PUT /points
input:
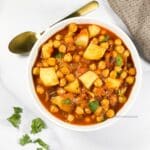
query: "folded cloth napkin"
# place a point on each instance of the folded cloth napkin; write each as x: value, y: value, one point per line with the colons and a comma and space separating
x: 136, y: 15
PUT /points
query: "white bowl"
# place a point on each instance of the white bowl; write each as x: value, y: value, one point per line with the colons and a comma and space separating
x: 82, y: 20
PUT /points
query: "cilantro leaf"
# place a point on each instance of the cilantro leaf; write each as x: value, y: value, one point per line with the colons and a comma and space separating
x: 66, y: 101
x: 37, y: 125
x: 119, y: 60
x: 25, y: 139
x: 93, y: 105
x: 59, y: 55
x: 106, y: 38
x: 42, y: 143
x: 15, y: 120
x: 17, y: 110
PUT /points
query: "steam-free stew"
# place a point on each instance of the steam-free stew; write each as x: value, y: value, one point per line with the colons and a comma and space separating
x: 83, y: 74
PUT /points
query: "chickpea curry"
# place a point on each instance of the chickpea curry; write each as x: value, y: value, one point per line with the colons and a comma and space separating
x: 83, y: 74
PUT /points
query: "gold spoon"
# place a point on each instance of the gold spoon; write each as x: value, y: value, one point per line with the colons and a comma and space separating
x: 24, y: 42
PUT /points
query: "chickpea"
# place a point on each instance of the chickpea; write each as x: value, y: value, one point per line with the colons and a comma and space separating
x: 69, y: 39
x: 51, y: 61
x: 60, y: 91
x: 73, y: 27
x: 130, y: 80
x: 110, y: 113
x: 81, y: 53
x: 132, y: 71
x: 105, y: 45
x: 87, y: 111
x: 114, y: 54
x: 98, y: 111
x: 56, y: 67
x: 87, y: 119
x: 45, y: 63
x: 92, y: 67
x: 36, y: 71
x: 65, y: 70
x: 118, y: 42
x: 99, y: 118
x: 50, y: 42
x: 54, y: 109
x: 105, y: 73
x: 79, y: 110
x: 68, y: 57
x: 103, y: 32
x: 113, y: 74
x: 105, y: 104
x: 113, y: 100
x: 118, y: 69
x: 70, y: 117
x: 126, y: 53
x: 101, y: 38
x: 76, y: 58
x: 59, y: 74
x: 70, y: 77
x: 120, y: 49
x: 40, y: 89
x: 62, y: 82
x: 123, y: 75
x: 98, y: 83
x: 58, y: 37
x: 122, y: 99
x: 101, y: 65
x: 94, y: 41
x: 56, y: 43
x: 62, y: 48
x: 71, y: 48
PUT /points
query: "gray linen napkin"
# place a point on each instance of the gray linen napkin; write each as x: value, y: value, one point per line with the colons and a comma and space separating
x: 136, y: 15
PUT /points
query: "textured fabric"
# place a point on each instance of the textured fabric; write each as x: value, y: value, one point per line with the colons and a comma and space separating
x: 136, y: 15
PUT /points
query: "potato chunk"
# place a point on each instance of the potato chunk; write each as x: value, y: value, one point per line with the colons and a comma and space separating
x: 82, y: 38
x: 94, y: 52
x: 113, y: 83
x: 73, y: 87
x: 48, y: 76
x: 47, y: 50
x: 93, y: 30
x: 60, y: 102
x: 88, y: 78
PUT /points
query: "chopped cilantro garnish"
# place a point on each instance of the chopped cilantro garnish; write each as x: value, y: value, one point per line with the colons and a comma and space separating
x: 25, y: 139
x: 93, y: 105
x: 37, y: 125
x: 42, y: 143
x: 67, y: 101
x: 17, y: 110
x: 119, y: 60
x: 59, y: 55
x: 106, y: 38
x: 15, y: 119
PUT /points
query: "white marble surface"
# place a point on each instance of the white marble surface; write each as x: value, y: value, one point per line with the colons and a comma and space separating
x: 21, y: 15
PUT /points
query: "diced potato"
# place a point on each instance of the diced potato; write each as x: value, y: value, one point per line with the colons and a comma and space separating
x: 48, y: 76
x: 59, y: 101
x: 73, y: 87
x: 93, y: 30
x: 47, y: 50
x: 113, y: 83
x: 82, y: 38
x: 88, y: 78
x: 94, y: 52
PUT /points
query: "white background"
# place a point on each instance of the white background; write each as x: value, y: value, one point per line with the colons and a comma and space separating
x: 21, y: 15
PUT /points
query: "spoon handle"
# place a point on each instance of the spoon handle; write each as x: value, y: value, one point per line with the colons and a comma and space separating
x: 82, y: 11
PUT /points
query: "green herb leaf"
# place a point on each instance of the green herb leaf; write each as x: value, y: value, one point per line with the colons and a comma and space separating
x: 25, y: 139
x: 37, y: 125
x: 17, y: 110
x: 93, y: 105
x: 59, y: 55
x: 42, y: 143
x: 15, y: 120
x: 106, y: 38
x: 119, y: 60
x: 66, y: 101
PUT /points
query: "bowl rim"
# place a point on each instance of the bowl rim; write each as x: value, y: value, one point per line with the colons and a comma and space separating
x: 111, y: 27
